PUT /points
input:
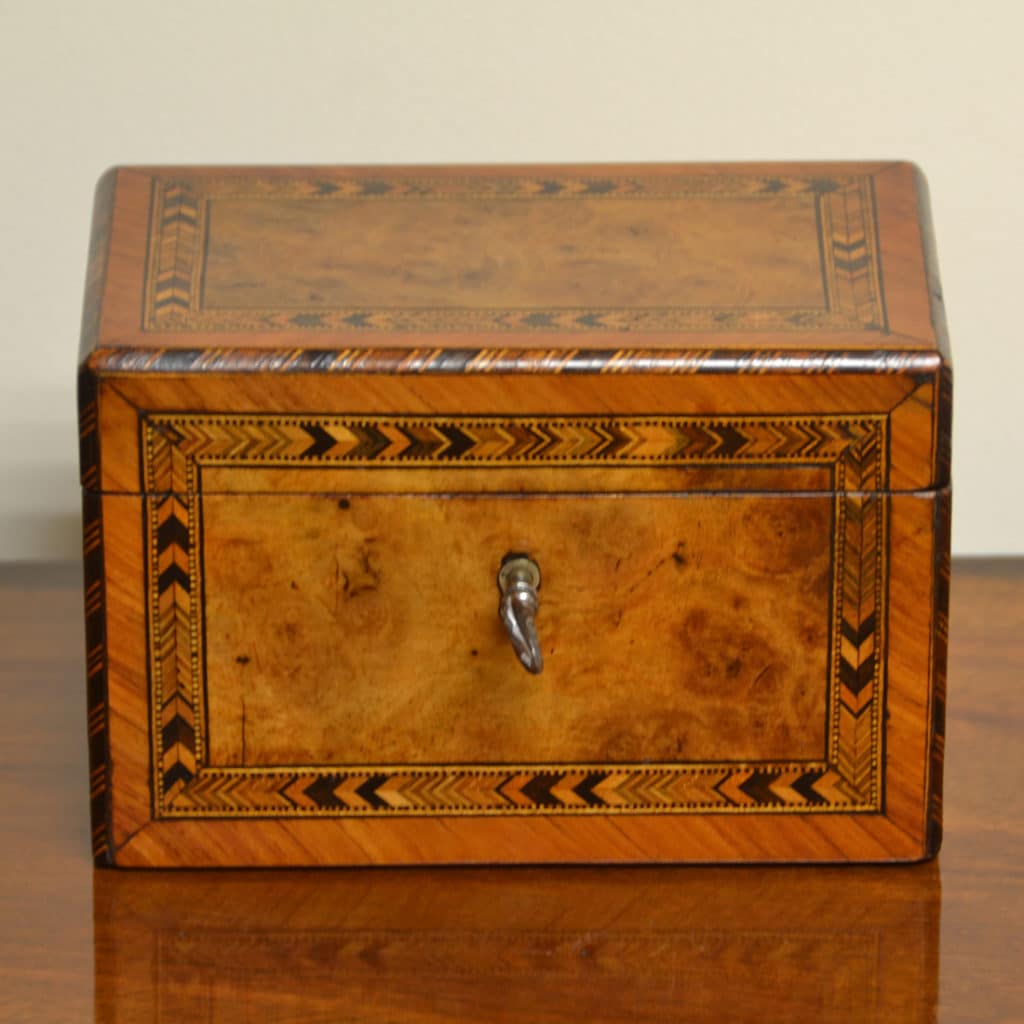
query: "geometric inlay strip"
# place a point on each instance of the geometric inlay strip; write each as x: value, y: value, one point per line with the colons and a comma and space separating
x: 854, y: 444
x: 844, y: 214
x: 515, y: 789
x: 849, y: 779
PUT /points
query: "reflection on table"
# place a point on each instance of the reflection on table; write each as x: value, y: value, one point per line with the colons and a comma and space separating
x: 519, y: 945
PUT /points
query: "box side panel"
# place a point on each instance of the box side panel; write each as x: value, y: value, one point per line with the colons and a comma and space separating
x: 937, y: 744
x: 129, y: 713
x: 929, y: 246
x: 940, y: 331
x: 96, y: 268
x: 96, y: 676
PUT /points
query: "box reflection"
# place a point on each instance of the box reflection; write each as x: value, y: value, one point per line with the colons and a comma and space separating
x: 592, y: 944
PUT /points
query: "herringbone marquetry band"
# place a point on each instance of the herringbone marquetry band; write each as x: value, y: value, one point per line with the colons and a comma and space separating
x: 844, y: 211
x: 175, y: 443
x: 849, y: 779
x: 514, y: 789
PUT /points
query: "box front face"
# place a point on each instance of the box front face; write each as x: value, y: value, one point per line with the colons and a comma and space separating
x: 328, y: 659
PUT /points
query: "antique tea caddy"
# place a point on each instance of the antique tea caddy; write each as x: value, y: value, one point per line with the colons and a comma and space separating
x: 515, y: 514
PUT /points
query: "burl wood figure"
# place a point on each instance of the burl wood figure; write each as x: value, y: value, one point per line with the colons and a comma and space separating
x: 515, y: 514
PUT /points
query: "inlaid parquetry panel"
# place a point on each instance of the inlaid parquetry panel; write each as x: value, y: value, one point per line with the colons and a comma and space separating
x: 846, y: 778
x: 755, y: 252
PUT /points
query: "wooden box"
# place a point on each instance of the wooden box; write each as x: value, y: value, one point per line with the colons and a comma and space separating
x: 321, y: 408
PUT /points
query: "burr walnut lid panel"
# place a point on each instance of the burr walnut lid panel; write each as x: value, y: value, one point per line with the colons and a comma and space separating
x: 354, y: 440
x: 806, y: 256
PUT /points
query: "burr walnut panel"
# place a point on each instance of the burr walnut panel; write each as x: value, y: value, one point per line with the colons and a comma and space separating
x: 506, y: 254
x: 381, y: 644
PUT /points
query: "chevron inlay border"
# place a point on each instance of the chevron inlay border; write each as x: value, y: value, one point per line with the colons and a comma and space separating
x: 853, y: 445
x: 844, y: 208
x: 848, y: 779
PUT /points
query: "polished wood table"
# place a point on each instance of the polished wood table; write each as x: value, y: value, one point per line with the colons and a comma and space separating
x: 943, y: 940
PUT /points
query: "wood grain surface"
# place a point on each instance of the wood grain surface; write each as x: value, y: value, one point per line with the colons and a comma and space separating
x: 384, y: 646
x: 939, y: 941
x: 493, y: 253
x: 597, y: 257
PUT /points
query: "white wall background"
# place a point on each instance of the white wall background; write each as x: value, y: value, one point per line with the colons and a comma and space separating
x: 85, y: 85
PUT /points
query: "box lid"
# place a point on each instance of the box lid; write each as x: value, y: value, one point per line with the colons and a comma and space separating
x: 759, y: 270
